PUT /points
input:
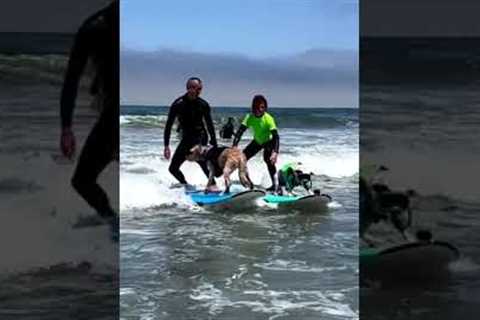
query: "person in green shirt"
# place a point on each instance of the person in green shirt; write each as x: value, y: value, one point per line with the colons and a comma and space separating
x: 265, y: 136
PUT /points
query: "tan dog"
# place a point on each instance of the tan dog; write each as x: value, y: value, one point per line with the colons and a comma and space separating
x: 222, y: 161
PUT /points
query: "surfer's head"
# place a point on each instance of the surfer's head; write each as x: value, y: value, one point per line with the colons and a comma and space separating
x: 259, y: 105
x: 194, y: 87
x: 110, y: 12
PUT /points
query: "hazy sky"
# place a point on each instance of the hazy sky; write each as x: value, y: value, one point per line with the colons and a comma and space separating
x: 257, y: 28
x: 297, y: 52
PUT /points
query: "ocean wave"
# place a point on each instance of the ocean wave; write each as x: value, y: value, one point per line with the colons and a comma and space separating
x: 147, y: 183
x: 33, y: 67
x: 306, y: 121
x: 15, y: 185
x: 143, y: 121
x: 275, y: 303
x: 318, y: 121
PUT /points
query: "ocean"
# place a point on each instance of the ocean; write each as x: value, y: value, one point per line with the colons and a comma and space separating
x: 426, y: 134
x: 48, y: 269
x: 182, y: 261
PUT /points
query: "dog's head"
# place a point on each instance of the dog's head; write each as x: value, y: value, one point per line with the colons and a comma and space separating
x: 378, y: 202
x: 195, y: 153
x: 396, y: 208
x: 304, y: 179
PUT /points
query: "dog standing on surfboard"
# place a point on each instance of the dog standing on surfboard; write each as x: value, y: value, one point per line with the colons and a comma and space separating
x: 222, y: 161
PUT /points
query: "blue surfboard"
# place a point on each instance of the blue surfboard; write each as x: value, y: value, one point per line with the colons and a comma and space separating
x: 219, y: 198
x: 247, y: 198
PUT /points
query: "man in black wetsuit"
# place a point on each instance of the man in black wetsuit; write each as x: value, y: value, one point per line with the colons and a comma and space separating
x: 97, y: 40
x: 193, y: 113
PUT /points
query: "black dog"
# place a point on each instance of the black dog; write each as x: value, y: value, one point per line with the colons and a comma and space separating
x: 378, y: 202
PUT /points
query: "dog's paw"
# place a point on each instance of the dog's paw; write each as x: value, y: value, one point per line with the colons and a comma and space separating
x: 213, y: 188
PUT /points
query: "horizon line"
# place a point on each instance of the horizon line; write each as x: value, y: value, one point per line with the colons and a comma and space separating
x: 231, y: 106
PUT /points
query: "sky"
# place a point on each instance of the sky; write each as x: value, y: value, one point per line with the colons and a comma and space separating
x: 298, y: 52
x: 257, y: 28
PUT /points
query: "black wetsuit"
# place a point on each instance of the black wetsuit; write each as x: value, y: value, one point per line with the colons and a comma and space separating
x: 227, y: 131
x: 212, y: 155
x: 254, y: 147
x: 192, y: 116
x: 97, y: 40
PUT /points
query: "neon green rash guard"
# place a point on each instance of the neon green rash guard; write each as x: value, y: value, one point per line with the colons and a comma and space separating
x: 261, y: 127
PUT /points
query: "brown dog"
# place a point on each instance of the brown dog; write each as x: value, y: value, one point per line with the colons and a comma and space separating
x: 222, y: 161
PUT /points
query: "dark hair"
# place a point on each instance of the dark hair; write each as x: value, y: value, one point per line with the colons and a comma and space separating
x: 257, y: 99
x: 193, y: 79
